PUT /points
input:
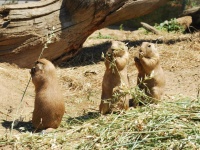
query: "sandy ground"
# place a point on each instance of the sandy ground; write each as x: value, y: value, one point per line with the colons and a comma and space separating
x: 81, y: 77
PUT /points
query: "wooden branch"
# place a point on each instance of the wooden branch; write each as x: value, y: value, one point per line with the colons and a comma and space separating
x: 191, y: 11
x: 150, y: 28
x: 24, y: 27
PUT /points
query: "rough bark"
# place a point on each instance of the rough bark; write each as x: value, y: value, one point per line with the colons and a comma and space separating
x: 24, y: 27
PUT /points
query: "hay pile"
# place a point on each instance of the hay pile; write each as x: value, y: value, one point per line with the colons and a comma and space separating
x: 168, y: 125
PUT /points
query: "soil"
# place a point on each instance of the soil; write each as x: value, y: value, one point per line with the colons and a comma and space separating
x: 81, y: 76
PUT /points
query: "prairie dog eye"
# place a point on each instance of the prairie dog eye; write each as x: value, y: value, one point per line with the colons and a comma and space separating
x: 37, y: 62
x: 149, y: 45
x: 112, y: 50
x: 108, y: 54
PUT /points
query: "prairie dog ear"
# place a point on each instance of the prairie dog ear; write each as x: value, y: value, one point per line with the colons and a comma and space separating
x: 153, y: 46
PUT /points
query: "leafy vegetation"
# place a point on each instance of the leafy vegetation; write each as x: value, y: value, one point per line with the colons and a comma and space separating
x: 170, y: 26
x: 121, y: 28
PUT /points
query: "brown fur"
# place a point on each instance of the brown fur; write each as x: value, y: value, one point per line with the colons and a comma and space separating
x: 49, y: 104
x: 115, y: 77
x: 148, y: 65
x: 185, y: 21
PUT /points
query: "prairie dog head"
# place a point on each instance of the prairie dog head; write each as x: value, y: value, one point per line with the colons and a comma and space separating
x: 117, y: 49
x: 148, y: 50
x: 42, y: 71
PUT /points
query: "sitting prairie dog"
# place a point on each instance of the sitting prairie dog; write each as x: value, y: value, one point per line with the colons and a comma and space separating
x: 115, y: 76
x: 151, y: 77
x: 49, y: 105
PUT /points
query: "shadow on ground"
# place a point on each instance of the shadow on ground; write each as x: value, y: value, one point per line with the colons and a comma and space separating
x: 87, y: 56
x: 92, y: 55
x: 81, y: 119
x: 20, y: 126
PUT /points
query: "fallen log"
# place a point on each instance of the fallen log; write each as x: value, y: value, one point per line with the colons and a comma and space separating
x: 150, y: 28
x: 24, y: 28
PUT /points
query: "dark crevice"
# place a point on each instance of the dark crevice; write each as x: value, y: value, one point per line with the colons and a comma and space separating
x: 34, y: 17
x: 110, y: 12
x: 28, y: 7
x: 114, y: 10
x: 68, y: 55
x: 5, y: 13
x: 5, y: 24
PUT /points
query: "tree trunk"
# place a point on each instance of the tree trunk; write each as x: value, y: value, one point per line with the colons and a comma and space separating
x: 24, y: 28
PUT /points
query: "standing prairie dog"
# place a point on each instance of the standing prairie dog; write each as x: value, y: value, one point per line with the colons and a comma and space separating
x: 115, y: 76
x: 151, y: 77
x: 49, y: 105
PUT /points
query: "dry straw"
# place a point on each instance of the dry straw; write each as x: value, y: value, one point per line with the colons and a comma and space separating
x: 168, y: 125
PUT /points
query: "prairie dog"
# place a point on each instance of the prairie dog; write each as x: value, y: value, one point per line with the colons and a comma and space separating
x: 148, y: 65
x: 115, y: 75
x: 49, y: 105
x: 185, y: 21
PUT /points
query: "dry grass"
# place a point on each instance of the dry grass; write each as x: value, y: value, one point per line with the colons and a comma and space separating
x: 168, y: 125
